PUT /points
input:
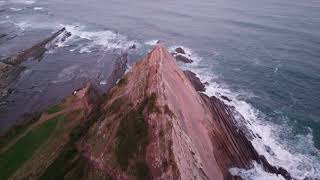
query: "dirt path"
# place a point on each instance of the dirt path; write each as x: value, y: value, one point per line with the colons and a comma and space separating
x: 79, y: 104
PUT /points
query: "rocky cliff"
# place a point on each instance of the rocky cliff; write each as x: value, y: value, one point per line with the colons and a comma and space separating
x: 156, y: 125
x: 153, y: 124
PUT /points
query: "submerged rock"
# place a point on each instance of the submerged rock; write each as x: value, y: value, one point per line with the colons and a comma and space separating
x: 35, y: 52
x: 2, y: 35
x: 10, y: 68
x: 8, y: 74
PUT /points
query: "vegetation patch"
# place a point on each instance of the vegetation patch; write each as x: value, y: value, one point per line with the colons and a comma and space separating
x: 151, y: 103
x: 168, y: 111
x: 116, y: 105
x: 81, y: 129
x: 132, y: 137
x: 54, y: 109
x: 69, y: 162
x: 15, y: 156
x: 142, y: 171
x: 18, y: 129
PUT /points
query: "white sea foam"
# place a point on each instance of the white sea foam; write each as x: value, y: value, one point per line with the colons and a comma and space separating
x: 152, y: 42
x: 88, y: 41
x: 23, y: 1
x: 104, y: 82
x: 23, y: 25
x: 277, y: 150
x: 15, y: 9
x: 29, y: 2
x: 256, y: 173
x: 37, y: 8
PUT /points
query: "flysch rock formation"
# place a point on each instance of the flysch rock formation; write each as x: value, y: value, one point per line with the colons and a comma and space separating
x: 189, y: 135
x: 153, y: 124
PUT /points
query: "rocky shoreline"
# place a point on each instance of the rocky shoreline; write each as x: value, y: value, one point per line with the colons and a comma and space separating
x: 152, y: 123
x: 10, y: 67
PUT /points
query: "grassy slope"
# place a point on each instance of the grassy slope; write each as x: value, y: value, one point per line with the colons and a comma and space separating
x: 15, y: 156
x: 17, y: 130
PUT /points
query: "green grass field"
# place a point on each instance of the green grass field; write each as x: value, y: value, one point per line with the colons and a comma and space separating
x: 25, y: 147
x: 18, y: 129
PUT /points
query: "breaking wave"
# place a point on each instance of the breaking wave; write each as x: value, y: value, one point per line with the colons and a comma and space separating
x: 85, y: 41
x: 298, y: 162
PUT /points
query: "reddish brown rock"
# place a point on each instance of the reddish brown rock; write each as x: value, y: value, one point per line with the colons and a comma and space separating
x: 152, y: 125
x: 156, y: 125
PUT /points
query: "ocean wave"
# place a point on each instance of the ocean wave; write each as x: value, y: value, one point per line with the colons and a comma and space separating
x: 254, y: 173
x: 37, y: 8
x: 152, y: 42
x: 270, y: 141
x: 23, y: 25
x: 22, y: 1
x: 85, y: 41
x: 15, y: 9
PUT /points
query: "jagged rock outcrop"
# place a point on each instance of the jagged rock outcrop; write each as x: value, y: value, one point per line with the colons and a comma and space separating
x: 156, y: 125
x: 36, y: 51
x: 180, y: 55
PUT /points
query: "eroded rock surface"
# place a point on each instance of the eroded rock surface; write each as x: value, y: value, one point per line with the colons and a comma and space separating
x: 195, y: 81
x: 188, y: 134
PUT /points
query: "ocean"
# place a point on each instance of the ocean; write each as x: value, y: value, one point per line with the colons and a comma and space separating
x: 264, y: 55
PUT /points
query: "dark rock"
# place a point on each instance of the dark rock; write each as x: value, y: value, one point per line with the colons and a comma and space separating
x: 35, y: 52
x: 119, y: 68
x: 195, y: 81
x: 269, y: 150
x: 66, y: 34
x: 182, y: 58
x: 226, y: 98
x: 284, y: 173
x: 11, y: 37
x: 2, y: 35
x: 206, y: 83
x: 8, y: 73
x: 180, y: 50
x: 235, y: 141
x: 133, y: 46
